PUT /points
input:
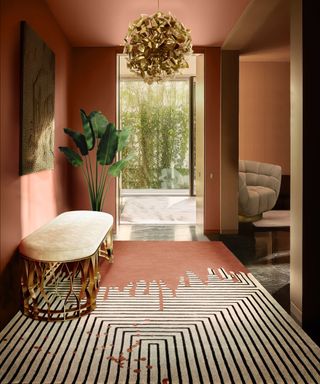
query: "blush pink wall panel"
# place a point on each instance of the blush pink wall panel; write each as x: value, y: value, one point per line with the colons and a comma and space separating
x: 212, y: 140
x: 264, y: 113
x: 29, y: 201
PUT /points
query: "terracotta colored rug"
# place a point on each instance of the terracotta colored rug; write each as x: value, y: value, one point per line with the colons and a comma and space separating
x: 168, y: 312
x: 165, y: 261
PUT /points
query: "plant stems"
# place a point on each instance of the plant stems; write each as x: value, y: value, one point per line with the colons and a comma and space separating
x: 91, y: 173
x: 102, y: 180
x: 89, y: 188
x: 97, y: 175
x: 101, y: 186
x: 105, y: 191
x: 90, y: 184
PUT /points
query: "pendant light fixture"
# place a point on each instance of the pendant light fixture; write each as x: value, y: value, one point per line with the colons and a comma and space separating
x: 156, y: 46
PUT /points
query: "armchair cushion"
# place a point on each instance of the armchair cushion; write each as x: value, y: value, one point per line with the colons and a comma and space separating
x: 259, y: 186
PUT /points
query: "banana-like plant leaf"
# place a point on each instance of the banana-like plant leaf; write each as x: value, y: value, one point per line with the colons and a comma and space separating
x: 108, y: 145
x: 97, y: 129
x: 123, y: 136
x: 117, y: 167
x: 88, y: 130
x: 99, y: 123
x: 73, y: 157
x: 79, y: 140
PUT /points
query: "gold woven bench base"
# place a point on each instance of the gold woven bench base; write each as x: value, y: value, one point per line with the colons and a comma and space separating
x: 59, y: 291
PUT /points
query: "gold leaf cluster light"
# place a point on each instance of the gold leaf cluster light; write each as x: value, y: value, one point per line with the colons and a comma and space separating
x: 156, y: 46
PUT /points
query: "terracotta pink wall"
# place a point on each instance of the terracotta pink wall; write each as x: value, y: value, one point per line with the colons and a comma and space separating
x: 31, y: 200
x: 212, y: 140
x: 264, y: 113
x: 93, y: 87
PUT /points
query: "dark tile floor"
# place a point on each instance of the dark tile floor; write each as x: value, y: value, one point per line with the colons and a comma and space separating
x: 177, y: 232
x: 264, y: 253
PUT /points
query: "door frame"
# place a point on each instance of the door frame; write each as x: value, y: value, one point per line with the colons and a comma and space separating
x: 191, y: 134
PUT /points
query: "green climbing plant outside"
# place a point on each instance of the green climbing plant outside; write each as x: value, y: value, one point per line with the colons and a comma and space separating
x: 158, y: 117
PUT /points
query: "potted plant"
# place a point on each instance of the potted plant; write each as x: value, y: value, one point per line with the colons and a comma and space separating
x: 97, y: 147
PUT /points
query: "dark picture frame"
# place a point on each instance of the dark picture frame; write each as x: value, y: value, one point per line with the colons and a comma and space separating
x: 37, y: 103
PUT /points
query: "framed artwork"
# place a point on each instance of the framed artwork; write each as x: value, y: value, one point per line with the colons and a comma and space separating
x: 37, y: 103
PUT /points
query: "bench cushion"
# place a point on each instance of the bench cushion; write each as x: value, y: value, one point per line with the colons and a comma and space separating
x: 71, y: 236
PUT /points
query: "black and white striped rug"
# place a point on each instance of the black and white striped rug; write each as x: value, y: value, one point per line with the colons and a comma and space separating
x: 227, y: 329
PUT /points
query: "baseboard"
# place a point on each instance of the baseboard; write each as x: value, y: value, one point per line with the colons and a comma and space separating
x: 211, y: 232
x: 221, y: 232
x: 229, y: 232
x: 296, y: 313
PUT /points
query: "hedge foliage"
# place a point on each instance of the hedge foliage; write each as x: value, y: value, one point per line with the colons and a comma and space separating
x: 158, y: 117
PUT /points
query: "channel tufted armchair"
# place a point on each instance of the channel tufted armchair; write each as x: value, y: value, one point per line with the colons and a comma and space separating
x: 259, y: 186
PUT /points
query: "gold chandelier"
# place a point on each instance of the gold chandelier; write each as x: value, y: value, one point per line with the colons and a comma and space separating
x: 156, y: 46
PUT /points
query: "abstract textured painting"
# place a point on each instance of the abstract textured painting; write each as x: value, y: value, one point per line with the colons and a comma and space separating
x: 37, y: 103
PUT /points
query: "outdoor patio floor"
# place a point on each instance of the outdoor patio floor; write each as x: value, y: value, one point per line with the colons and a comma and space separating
x: 157, y: 208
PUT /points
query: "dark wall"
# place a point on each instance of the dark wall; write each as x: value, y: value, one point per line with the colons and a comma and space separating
x: 311, y: 162
x: 283, y: 202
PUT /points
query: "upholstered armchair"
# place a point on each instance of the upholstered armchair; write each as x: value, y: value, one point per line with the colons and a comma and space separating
x: 259, y: 186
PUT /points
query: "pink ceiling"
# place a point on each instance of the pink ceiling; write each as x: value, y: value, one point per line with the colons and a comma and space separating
x: 105, y: 22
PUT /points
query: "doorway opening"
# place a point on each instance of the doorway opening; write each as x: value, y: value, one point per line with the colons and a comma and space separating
x: 159, y: 185
x: 265, y: 89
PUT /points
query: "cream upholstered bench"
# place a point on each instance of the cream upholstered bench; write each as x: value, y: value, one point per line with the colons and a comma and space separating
x: 60, y: 277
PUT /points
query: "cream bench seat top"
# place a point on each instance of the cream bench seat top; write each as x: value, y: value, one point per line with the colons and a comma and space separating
x: 71, y: 236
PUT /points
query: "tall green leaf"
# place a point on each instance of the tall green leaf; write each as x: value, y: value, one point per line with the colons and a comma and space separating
x: 79, y: 140
x: 99, y: 123
x: 117, y: 167
x: 88, y: 130
x: 108, y: 145
x: 73, y: 157
x: 123, y: 137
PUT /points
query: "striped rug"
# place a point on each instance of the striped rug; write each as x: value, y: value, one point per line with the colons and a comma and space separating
x: 224, y: 329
